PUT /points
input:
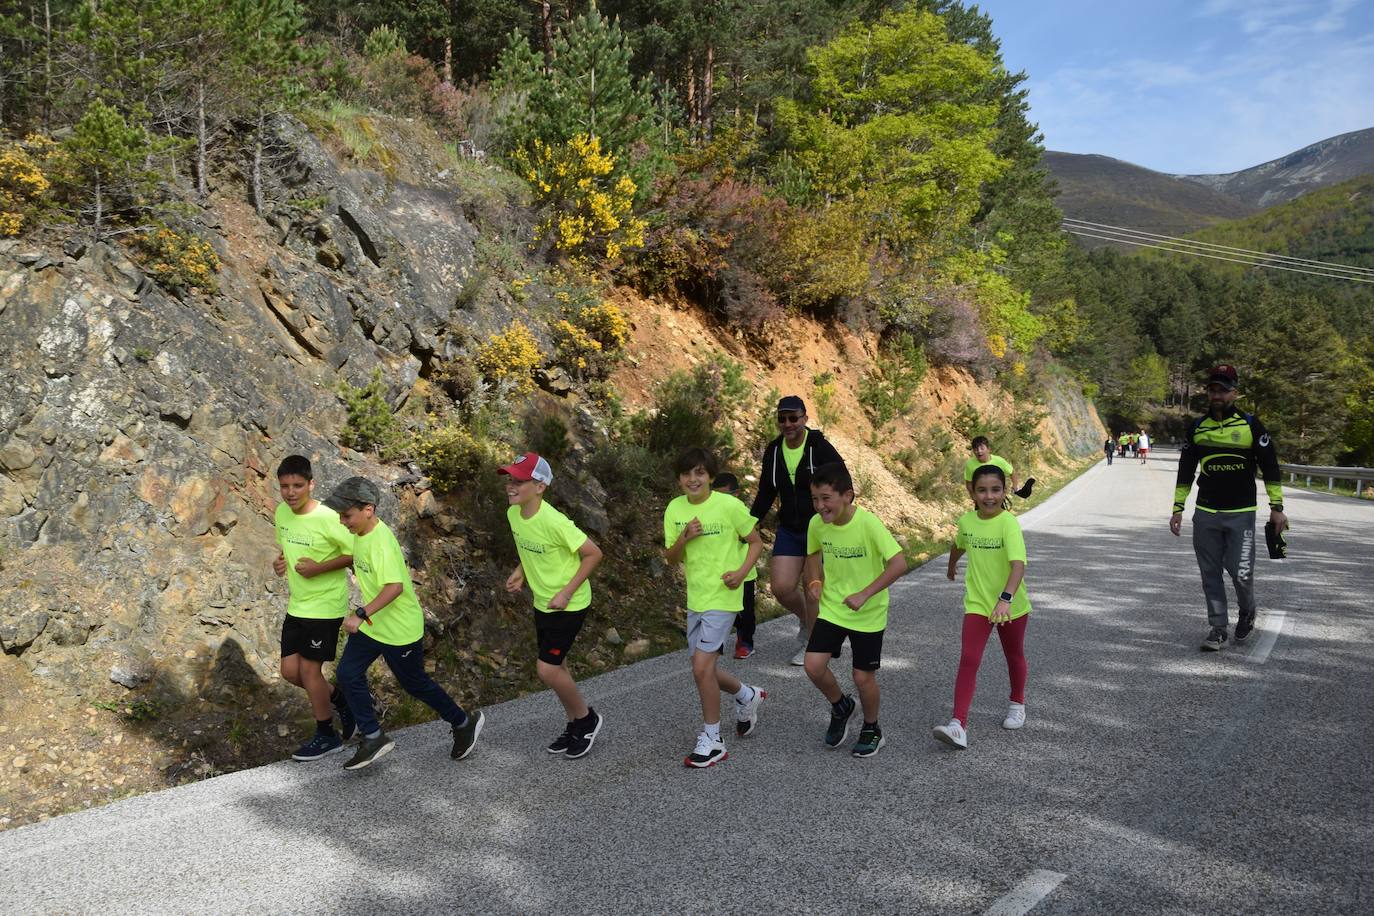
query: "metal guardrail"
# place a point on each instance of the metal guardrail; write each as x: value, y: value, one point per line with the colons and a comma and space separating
x: 1361, y: 476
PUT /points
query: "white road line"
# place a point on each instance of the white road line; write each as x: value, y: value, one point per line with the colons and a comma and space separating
x: 1022, y: 898
x: 1273, y: 626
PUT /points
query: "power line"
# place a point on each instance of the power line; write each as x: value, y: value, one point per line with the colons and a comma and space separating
x: 1217, y: 257
x: 1224, y: 249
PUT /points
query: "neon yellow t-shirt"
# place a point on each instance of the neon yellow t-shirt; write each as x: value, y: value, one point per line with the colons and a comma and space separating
x: 974, y: 464
x: 852, y: 556
x: 319, y: 535
x: 548, y: 543
x: 378, y: 561
x: 992, y: 545
x: 791, y: 458
x: 743, y: 555
x: 716, y: 551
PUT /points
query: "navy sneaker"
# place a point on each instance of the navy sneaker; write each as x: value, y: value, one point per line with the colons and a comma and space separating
x: 317, y: 747
x: 560, y: 744
x: 839, y: 723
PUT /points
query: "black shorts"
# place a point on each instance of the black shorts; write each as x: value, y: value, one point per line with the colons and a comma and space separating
x: 830, y: 637
x: 309, y: 637
x: 555, y: 631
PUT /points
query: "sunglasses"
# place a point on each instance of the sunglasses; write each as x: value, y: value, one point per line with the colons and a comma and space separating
x: 789, y: 418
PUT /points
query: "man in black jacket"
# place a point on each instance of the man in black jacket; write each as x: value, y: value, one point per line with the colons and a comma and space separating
x: 788, y: 463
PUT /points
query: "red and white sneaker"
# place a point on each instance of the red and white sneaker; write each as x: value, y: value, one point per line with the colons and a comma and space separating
x: 747, y: 714
x: 708, y: 753
x: 743, y: 649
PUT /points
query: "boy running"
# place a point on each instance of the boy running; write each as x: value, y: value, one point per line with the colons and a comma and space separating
x: 555, y: 559
x: 982, y: 454
x: 858, y: 559
x: 702, y: 530
x: 313, y: 551
x: 745, y: 623
x: 395, y: 628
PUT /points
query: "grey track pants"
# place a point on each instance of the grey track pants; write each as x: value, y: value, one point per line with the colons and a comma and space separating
x: 1225, y: 542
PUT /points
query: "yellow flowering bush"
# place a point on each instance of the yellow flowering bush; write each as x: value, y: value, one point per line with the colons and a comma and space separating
x: 510, y: 356
x: 590, y: 339
x: 22, y: 186
x: 588, y: 209
x: 178, y: 260
x: 452, y: 456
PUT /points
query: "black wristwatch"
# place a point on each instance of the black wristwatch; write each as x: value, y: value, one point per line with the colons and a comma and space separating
x: 361, y: 612
x: 1005, y: 596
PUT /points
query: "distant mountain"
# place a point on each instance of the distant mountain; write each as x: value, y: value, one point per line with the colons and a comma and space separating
x: 1101, y: 189
x: 1317, y: 166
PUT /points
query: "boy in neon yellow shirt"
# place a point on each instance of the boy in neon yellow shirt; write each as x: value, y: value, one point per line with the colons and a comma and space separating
x: 702, y: 530
x: 555, y: 559
x: 394, y: 625
x: 312, y: 553
x: 851, y: 560
x: 745, y: 623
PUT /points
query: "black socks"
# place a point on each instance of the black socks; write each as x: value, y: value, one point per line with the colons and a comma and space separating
x: 324, y: 727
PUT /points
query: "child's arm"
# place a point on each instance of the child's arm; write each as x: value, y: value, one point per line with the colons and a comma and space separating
x: 516, y: 580
x: 1001, y: 612
x: 735, y: 577
x: 954, y: 554
x: 590, y: 555
x: 811, y: 572
x: 896, y: 568
x: 279, y: 564
x: 389, y: 593
x: 674, y: 554
x: 307, y: 568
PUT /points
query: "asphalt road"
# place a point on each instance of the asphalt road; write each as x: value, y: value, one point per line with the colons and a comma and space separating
x: 1150, y: 777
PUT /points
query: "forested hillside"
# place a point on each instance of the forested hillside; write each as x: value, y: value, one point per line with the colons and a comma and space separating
x: 1304, y: 344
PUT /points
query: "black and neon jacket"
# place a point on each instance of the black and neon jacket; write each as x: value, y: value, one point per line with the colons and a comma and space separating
x: 794, y: 499
x: 1225, y: 453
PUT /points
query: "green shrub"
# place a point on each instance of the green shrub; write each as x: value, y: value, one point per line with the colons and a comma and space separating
x: 547, y: 434
x: 510, y: 357
x: 697, y: 408
x: 452, y: 456
x: 371, y: 425
x: 886, y: 391
x: 823, y: 386
x: 589, y: 340
x: 178, y: 260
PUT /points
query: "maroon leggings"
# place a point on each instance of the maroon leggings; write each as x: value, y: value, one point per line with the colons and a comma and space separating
x: 977, y: 628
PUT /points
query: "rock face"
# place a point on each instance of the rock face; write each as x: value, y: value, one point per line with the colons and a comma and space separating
x: 139, y: 432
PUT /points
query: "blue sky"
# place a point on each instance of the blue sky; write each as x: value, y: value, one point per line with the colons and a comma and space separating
x: 1191, y: 87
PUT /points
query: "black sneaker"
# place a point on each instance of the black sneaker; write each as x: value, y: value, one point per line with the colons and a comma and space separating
x: 584, y: 736
x: 369, y: 751
x: 1216, y: 638
x: 560, y: 744
x: 839, y: 723
x: 1244, y: 624
x: 347, y: 726
x: 317, y: 747
x: 869, y: 743
x: 465, y: 736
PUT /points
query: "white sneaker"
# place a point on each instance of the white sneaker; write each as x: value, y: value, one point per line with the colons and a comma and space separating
x: 1016, y: 716
x: 707, y: 753
x: 952, y: 734
x: 747, y: 714
x: 800, y: 658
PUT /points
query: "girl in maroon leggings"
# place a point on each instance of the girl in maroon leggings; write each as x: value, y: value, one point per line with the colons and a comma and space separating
x: 994, y: 598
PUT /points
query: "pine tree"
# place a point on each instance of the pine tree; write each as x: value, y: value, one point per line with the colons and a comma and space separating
x: 103, y: 171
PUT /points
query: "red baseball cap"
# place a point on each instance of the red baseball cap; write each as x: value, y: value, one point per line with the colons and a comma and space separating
x: 1224, y: 376
x: 529, y: 467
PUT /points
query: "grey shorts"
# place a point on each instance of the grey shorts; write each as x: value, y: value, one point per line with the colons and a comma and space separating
x: 707, y: 630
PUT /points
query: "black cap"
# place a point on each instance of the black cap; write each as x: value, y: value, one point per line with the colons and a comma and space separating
x: 791, y: 404
x: 355, y: 491
x: 1225, y: 376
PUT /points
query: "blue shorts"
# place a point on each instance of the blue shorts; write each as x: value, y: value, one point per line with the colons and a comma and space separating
x: 789, y: 543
